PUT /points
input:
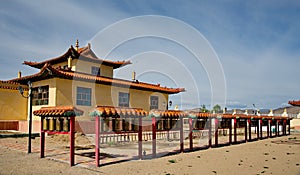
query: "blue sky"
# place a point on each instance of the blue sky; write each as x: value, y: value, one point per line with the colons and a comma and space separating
x: 257, y: 43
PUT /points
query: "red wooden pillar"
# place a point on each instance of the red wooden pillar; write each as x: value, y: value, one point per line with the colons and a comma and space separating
x: 97, y: 148
x: 289, y: 124
x: 153, y: 137
x: 261, y: 127
x: 246, y: 130
x: 42, y: 141
x: 216, y: 131
x: 209, y: 132
x: 273, y: 130
x: 234, y: 130
x: 191, y: 133
x: 284, y: 122
x: 140, y: 137
x: 72, y: 140
x: 277, y: 129
x: 181, y: 134
x: 249, y: 123
x: 268, y: 128
x: 230, y: 130
x: 257, y: 128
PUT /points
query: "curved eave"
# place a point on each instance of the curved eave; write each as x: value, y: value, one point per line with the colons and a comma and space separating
x: 295, y: 103
x: 75, y: 55
x: 58, y: 111
x: 70, y: 52
x: 49, y: 72
x: 11, y: 85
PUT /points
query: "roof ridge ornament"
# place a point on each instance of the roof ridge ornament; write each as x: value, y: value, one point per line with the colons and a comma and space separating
x: 77, y: 45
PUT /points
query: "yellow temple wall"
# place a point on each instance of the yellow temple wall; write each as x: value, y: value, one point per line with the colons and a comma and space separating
x: 86, y: 67
x: 141, y: 99
x: 52, y: 94
x: 102, y: 95
x: 12, y: 105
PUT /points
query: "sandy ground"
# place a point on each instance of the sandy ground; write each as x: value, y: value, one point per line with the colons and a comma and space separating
x: 271, y: 156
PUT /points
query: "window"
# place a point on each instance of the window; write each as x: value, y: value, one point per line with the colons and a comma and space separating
x: 153, y: 102
x: 40, y: 95
x: 123, y: 99
x: 84, y: 96
x: 95, y: 71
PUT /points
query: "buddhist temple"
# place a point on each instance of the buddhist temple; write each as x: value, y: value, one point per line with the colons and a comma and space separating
x: 81, y: 79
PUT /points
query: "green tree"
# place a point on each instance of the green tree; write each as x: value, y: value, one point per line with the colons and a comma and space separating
x: 203, y: 108
x: 217, y: 108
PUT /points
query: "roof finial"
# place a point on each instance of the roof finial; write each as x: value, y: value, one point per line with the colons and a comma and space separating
x: 77, y: 45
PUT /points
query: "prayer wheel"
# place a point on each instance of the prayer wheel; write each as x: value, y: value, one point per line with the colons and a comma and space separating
x: 159, y: 124
x: 126, y: 124
x: 135, y: 125
x: 165, y: 123
x: 52, y: 124
x: 46, y: 124
x: 66, y: 126
x: 59, y: 124
x: 117, y: 124
x: 177, y: 124
x: 106, y: 124
x: 194, y: 123
x: 113, y: 121
x: 172, y: 122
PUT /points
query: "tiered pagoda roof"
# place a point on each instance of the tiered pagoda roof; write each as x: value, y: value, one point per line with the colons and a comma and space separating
x: 84, y: 53
x: 47, y: 71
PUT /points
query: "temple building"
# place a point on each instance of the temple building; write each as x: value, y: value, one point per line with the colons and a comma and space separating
x: 79, y: 78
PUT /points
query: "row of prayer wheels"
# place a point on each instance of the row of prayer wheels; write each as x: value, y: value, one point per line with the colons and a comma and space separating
x: 56, y: 124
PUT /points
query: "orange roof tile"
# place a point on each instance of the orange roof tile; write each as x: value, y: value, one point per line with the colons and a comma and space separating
x: 49, y: 72
x: 168, y: 113
x: 295, y: 103
x: 84, y: 53
x: 105, y: 111
x: 58, y: 111
x: 12, y: 85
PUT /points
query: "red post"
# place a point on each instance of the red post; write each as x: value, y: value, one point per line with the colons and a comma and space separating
x: 97, y: 150
x: 249, y: 123
x: 72, y: 138
x: 140, y: 137
x: 277, y: 128
x: 181, y: 134
x: 234, y: 130
x: 42, y: 141
x: 271, y: 122
x: 209, y: 132
x: 257, y: 130
x: 216, y: 131
x: 268, y: 128
x: 191, y: 133
x: 153, y: 137
x: 246, y: 130
x: 261, y: 127
x: 284, y: 127
x: 289, y: 123
x: 230, y: 131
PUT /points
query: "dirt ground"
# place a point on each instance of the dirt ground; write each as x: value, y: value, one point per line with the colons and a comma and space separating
x: 275, y: 156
